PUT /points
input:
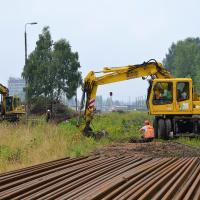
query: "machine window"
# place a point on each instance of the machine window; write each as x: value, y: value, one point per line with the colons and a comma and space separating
x: 15, y: 102
x: 8, y: 104
x: 182, y: 91
x: 163, y: 93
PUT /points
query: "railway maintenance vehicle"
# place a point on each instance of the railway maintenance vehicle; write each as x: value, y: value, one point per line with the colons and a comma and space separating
x: 172, y: 101
x: 10, y: 106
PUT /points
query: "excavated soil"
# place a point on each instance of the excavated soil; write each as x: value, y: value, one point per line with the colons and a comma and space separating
x: 153, y: 149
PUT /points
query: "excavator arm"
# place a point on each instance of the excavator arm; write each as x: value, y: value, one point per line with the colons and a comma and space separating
x: 151, y: 69
x: 3, y: 90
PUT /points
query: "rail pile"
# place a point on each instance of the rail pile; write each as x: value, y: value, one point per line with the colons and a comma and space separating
x: 105, y: 178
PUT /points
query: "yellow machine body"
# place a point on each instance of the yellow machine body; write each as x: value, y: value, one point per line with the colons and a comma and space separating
x: 168, y: 98
x: 10, y: 107
x: 14, y: 106
x: 188, y: 106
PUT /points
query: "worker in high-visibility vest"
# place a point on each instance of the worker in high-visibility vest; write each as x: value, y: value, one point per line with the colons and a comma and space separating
x: 147, y: 131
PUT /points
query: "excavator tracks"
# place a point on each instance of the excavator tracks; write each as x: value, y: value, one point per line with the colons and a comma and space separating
x: 96, y: 177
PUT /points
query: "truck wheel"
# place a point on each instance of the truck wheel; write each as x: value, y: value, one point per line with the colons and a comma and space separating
x: 168, y: 125
x: 161, y: 128
x: 155, y: 126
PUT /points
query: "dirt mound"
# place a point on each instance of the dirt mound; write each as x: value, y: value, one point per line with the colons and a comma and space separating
x: 153, y: 149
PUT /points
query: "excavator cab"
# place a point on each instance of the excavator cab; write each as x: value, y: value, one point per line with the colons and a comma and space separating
x: 171, y: 96
x: 13, y: 104
x: 171, y: 102
x: 13, y: 108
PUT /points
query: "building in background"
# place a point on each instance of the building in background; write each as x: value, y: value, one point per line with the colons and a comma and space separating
x: 16, y: 87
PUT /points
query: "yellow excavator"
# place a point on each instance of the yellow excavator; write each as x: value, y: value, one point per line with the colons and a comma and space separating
x: 10, y: 106
x: 172, y: 101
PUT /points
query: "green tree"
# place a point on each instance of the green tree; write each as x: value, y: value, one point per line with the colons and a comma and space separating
x: 52, y: 69
x: 65, y: 69
x: 183, y: 60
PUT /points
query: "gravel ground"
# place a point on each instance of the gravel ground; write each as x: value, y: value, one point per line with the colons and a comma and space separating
x: 153, y: 149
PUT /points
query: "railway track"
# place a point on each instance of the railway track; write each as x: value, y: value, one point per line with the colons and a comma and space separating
x: 97, y: 177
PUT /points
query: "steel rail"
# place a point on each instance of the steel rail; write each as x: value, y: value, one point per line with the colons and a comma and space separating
x: 95, y: 177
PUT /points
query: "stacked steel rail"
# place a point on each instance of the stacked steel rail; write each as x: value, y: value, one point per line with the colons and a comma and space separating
x: 105, y: 178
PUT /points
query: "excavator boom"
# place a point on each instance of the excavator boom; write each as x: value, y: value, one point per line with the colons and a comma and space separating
x: 151, y: 69
x: 172, y: 101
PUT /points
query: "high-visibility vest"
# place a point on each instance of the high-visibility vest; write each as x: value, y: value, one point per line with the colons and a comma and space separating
x: 149, y: 133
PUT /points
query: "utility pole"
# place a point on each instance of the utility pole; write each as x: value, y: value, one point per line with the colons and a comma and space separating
x: 26, y: 58
x: 76, y: 101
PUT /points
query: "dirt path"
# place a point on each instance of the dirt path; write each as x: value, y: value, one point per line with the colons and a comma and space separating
x: 153, y: 149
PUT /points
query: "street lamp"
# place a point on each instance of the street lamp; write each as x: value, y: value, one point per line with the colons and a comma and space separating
x: 25, y: 40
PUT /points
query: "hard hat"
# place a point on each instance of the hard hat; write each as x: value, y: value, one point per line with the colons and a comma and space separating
x: 146, y: 122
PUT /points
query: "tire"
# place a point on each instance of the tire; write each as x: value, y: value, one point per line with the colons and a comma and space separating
x: 198, y: 127
x: 161, y: 129
x: 155, y: 126
x: 168, y: 126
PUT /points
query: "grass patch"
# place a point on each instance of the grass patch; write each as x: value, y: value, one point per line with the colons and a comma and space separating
x: 120, y: 126
x: 193, y: 142
x: 22, y: 145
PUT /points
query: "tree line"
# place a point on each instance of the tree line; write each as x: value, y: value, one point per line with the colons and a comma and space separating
x: 183, y: 60
x: 52, y: 69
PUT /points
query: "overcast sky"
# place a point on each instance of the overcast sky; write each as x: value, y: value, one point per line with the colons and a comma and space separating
x: 104, y: 32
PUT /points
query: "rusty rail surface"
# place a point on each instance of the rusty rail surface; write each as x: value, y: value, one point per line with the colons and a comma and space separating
x: 105, y: 178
